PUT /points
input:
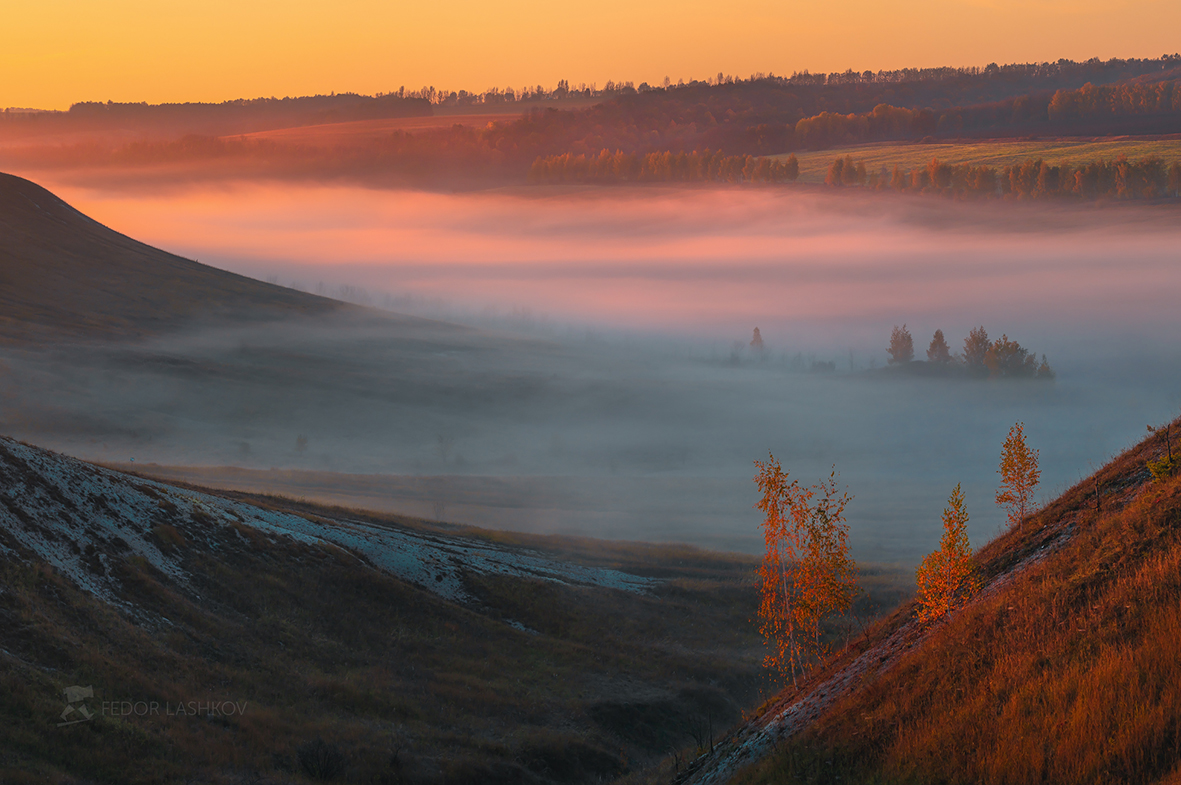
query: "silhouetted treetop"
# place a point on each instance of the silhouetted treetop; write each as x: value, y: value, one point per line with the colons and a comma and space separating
x: 938, y: 351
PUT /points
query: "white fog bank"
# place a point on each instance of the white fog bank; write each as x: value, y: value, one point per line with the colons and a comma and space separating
x: 634, y: 408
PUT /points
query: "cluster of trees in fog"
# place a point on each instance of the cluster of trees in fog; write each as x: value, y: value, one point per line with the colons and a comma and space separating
x: 1149, y: 178
x: 1000, y: 358
x: 608, y: 167
x: 807, y: 575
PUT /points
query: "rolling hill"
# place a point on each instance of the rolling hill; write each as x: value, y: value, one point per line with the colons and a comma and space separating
x: 63, y: 274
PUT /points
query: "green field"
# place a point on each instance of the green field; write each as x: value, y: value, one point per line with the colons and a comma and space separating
x: 814, y: 165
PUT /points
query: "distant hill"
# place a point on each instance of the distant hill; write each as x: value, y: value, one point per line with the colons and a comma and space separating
x: 759, y: 116
x: 64, y: 274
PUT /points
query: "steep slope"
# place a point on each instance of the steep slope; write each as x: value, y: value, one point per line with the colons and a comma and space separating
x: 1064, y: 669
x: 62, y: 273
x: 220, y: 639
x: 77, y: 517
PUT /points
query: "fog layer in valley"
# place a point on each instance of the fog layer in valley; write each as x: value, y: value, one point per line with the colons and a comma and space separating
x: 632, y: 405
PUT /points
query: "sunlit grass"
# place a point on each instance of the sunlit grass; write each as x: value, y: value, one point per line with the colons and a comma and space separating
x: 1068, y: 674
x: 999, y: 153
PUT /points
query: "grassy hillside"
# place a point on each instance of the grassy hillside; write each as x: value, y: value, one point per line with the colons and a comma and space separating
x: 63, y: 274
x: 552, y: 660
x: 1065, y: 671
x: 999, y: 153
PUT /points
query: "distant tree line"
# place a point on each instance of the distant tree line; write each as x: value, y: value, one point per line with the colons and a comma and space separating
x: 527, y: 94
x: 1023, y: 73
x: 228, y: 117
x: 1001, y: 358
x: 1084, y: 106
x: 1115, y: 100
x: 774, y: 115
x: 757, y: 117
x: 707, y: 166
x: 1149, y: 178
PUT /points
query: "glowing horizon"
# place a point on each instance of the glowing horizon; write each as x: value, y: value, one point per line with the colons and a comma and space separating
x: 128, y: 50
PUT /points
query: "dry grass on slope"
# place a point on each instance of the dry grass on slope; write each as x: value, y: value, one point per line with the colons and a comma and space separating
x: 528, y: 679
x: 1068, y: 673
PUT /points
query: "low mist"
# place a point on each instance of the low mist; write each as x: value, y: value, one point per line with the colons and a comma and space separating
x: 607, y: 387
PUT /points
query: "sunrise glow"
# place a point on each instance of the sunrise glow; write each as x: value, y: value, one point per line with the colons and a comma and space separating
x: 131, y: 50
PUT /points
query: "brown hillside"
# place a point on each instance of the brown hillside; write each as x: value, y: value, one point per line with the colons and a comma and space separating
x: 64, y: 274
x: 396, y: 650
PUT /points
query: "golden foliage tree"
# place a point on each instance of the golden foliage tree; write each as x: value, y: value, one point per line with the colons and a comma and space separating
x: 807, y: 574
x: 946, y: 579
x: 1019, y: 475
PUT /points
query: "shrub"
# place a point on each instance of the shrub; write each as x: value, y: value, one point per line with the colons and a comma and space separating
x: 320, y: 760
x: 1162, y: 468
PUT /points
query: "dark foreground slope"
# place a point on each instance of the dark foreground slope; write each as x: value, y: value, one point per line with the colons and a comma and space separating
x: 64, y: 274
x: 220, y: 640
x: 1065, y: 669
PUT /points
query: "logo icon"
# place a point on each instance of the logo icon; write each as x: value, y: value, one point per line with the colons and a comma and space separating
x: 72, y: 714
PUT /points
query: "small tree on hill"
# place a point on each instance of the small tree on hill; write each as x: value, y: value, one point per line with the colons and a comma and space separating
x: 806, y: 574
x: 1163, y: 467
x: 938, y: 351
x: 1019, y: 476
x: 835, y: 173
x: 901, y: 345
x: 946, y: 579
x: 898, y: 179
x: 849, y: 172
x: 791, y: 169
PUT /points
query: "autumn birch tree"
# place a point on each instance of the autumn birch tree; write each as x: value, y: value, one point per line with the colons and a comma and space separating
x: 1019, y: 476
x: 946, y: 579
x: 806, y: 574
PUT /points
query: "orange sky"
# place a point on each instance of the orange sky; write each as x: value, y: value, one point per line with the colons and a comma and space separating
x: 57, y: 52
